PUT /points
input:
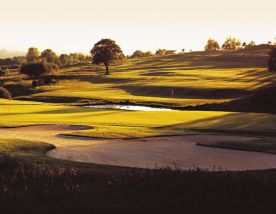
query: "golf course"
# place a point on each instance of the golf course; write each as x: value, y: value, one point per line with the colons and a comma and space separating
x: 209, y: 115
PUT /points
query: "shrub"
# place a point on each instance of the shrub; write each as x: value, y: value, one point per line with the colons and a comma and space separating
x: 38, y: 70
x: 48, y: 80
x: 35, y: 83
x: 34, y: 70
x: 4, y: 93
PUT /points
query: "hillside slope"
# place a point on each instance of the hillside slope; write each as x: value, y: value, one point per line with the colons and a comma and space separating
x: 189, y: 79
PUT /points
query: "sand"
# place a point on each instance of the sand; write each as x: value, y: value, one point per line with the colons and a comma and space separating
x: 180, y: 152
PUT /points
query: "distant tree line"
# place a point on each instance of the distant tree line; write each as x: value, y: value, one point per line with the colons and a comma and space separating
x: 230, y: 44
x: 159, y: 52
x: 49, y: 56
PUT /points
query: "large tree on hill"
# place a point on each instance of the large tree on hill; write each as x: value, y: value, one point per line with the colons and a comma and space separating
x: 32, y: 55
x: 231, y: 44
x: 212, y: 45
x: 105, y: 51
x: 272, y: 60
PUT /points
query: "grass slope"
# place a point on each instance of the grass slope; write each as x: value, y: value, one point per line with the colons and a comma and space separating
x: 197, y: 78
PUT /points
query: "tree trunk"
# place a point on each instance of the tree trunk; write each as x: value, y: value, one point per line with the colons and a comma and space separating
x: 106, y: 69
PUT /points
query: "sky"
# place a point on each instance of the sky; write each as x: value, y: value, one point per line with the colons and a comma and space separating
x: 75, y: 25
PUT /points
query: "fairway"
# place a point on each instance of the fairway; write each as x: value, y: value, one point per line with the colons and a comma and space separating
x: 126, y: 124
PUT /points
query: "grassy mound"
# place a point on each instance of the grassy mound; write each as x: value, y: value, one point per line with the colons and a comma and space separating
x: 15, y: 147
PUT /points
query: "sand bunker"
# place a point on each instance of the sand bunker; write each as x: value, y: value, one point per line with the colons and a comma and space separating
x: 177, y: 151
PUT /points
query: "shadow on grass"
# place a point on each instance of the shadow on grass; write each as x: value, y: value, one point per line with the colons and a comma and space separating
x: 29, y: 186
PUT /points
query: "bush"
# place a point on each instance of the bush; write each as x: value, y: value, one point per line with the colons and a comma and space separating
x: 35, y: 83
x: 34, y: 70
x: 4, y: 93
x: 48, y: 80
x: 38, y: 70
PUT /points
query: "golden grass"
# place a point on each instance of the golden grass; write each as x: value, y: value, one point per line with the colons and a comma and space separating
x: 116, y: 123
x: 16, y: 147
x: 196, y: 78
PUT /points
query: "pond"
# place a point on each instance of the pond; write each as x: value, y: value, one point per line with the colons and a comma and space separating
x: 129, y: 107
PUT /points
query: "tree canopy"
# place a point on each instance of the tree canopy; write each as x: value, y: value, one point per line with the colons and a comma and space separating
x: 49, y: 56
x: 37, y: 70
x: 34, y: 70
x: 231, y: 44
x: 212, y: 45
x: 105, y: 52
x: 32, y: 55
x: 140, y: 54
x: 164, y: 52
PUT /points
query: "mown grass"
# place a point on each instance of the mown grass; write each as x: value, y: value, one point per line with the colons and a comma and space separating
x: 132, y: 123
x: 197, y: 78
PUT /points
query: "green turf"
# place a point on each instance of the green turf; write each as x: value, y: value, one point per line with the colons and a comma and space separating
x: 16, y: 147
x: 196, y: 78
x: 116, y: 123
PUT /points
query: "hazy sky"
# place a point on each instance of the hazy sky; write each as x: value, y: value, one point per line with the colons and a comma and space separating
x: 75, y: 25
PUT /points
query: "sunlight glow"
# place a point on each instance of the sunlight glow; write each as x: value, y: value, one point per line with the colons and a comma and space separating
x: 145, y: 24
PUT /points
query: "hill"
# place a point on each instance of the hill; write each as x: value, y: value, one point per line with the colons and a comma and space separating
x: 187, y: 79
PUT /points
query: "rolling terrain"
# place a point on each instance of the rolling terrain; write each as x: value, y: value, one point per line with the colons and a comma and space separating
x: 182, y: 80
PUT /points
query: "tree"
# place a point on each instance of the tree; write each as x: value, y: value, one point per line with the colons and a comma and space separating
x: 34, y: 70
x: 212, y: 45
x: 272, y: 60
x: 105, y: 51
x: 161, y: 52
x: 32, y: 55
x: 64, y: 59
x: 231, y: 44
x: 251, y: 44
x: 38, y: 70
x: 49, y: 56
x: 140, y: 54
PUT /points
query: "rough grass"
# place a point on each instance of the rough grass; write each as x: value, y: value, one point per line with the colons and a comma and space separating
x: 36, y: 187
